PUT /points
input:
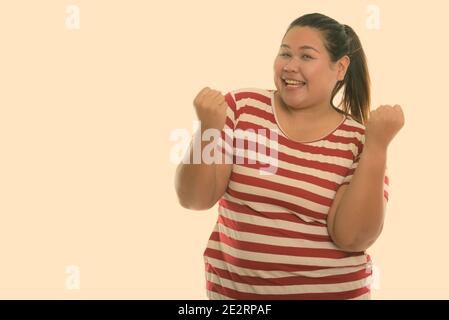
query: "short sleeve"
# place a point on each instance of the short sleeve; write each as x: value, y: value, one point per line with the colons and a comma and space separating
x: 226, y: 143
x: 231, y: 112
x: 352, y: 169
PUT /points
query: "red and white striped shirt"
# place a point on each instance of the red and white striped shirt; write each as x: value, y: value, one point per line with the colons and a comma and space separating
x: 271, y: 240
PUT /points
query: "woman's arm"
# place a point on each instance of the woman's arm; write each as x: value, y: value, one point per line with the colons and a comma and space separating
x: 200, y: 185
x: 356, y: 217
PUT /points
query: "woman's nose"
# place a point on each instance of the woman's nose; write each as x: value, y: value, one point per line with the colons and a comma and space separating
x: 291, y: 66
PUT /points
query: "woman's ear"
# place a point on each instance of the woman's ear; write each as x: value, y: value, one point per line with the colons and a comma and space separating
x: 343, y: 65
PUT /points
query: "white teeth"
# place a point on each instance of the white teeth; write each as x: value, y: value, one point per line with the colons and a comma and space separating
x: 294, y: 82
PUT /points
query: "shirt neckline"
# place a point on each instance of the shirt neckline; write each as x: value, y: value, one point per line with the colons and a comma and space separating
x: 272, y: 92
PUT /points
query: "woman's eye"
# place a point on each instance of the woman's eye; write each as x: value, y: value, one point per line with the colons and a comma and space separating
x: 304, y: 56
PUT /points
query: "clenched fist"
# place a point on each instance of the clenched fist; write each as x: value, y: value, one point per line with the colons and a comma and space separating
x: 383, y: 124
x: 210, y: 106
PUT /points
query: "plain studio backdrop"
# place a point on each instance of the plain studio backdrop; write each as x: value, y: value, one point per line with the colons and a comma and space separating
x: 92, y: 91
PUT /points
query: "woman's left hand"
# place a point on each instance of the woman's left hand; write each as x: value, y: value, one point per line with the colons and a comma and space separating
x: 383, y: 124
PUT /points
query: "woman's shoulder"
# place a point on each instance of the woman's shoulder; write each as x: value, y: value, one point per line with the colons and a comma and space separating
x: 251, y: 92
x: 353, y: 129
x: 354, y: 125
x: 255, y: 97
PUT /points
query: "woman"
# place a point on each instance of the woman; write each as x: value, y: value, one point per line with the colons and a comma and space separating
x: 300, y: 231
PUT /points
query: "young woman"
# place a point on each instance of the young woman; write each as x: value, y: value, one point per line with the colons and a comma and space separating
x: 300, y: 231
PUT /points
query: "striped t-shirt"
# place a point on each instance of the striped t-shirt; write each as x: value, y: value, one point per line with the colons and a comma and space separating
x: 271, y: 240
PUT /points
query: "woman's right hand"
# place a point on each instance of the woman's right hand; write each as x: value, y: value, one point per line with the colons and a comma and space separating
x: 210, y: 106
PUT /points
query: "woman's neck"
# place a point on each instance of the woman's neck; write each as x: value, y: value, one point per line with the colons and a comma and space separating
x: 307, y: 115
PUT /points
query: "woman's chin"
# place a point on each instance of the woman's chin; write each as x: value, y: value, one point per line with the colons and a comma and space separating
x: 292, y: 102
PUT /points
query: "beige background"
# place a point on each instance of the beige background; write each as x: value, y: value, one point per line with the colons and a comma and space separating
x: 85, y: 123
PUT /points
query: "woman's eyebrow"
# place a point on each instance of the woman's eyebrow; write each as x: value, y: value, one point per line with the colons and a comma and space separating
x: 302, y: 47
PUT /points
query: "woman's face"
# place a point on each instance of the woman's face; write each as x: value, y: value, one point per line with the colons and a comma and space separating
x: 304, y: 60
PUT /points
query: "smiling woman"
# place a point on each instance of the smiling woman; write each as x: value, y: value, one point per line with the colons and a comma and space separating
x: 300, y: 232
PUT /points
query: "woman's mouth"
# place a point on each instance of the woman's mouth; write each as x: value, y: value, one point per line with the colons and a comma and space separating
x: 290, y: 83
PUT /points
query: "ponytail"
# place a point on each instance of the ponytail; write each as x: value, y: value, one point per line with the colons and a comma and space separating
x: 357, y: 92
